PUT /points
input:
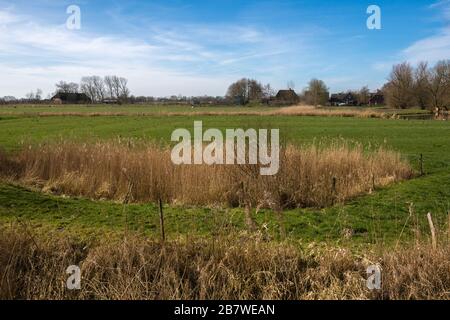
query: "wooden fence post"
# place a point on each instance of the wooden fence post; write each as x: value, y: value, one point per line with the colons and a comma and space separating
x: 161, y: 220
x: 433, y: 230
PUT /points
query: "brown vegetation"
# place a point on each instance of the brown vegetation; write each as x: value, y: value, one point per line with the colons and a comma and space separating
x: 130, y: 171
x: 237, y: 266
x: 341, y: 112
x: 299, y: 110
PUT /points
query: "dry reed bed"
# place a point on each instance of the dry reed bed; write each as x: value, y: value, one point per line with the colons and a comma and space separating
x: 292, y: 111
x: 238, y: 266
x: 310, y: 176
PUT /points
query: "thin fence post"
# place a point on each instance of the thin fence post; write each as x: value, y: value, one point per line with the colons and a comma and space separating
x: 433, y: 230
x: 161, y: 220
x: 421, y: 164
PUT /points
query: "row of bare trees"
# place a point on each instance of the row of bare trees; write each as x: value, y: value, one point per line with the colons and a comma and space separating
x: 422, y: 86
x: 98, y: 88
x: 249, y: 90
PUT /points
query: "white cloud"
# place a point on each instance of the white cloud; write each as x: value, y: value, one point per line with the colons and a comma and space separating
x: 430, y: 49
x: 436, y: 47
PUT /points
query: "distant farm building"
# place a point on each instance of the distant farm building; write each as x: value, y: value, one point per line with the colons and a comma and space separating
x: 343, y: 99
x: 376, y: 98
x: 286, y: 97
x: 239, y: 100
x: 110, y: 101
x: 351, y: 99
x: 70, y: 98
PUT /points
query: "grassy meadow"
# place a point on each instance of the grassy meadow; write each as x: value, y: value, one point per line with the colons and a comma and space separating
x: 376, y: 217
x: 389, y: 216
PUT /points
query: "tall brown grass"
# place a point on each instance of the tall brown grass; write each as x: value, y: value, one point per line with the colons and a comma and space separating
x: 303, y: 110
x: 310, y: 176
x: 299, y: 110
x: 237, y: 266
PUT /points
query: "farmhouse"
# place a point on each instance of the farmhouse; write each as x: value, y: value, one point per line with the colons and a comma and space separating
x: 286, y: 97
x: 376, y: 98
x: 72, y: 98
x: 343, y: 99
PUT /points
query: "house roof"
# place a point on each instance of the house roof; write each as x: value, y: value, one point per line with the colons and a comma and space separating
x: 287, y: 95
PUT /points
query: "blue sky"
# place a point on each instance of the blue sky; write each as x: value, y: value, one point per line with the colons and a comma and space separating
x: 199, y: 47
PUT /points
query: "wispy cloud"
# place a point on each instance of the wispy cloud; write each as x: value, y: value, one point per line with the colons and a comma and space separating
x: 431, y: 49
x: 440, y: 4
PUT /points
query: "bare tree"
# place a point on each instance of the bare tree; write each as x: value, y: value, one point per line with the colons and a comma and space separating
x: 29, y: 96
x: 93, y: 87
x: 439, y: 85
x: 238, y: 90
x: 268, y: 91
x: 245, y: 90
x: 109, y: 84
x: 38, y: 94
x: 421, y: 85
x: 363, y: 95
x: 316, y: 93
x: 34, y: 96
x: 124, y: 92
x: 117, y: 87
x: 255, y: 90
x: 99, y: 86
x: 400, y: 88
x: 66, y: 87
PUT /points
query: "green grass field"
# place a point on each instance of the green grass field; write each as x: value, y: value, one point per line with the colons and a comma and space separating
x: 376, y: 218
